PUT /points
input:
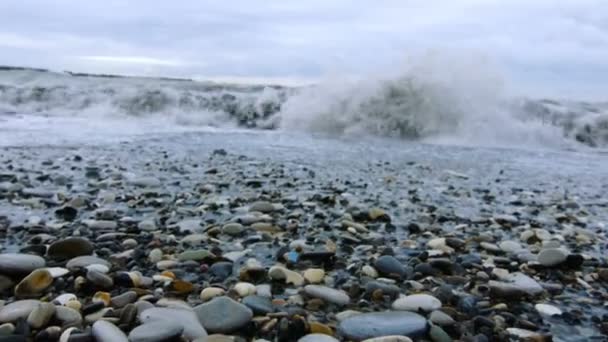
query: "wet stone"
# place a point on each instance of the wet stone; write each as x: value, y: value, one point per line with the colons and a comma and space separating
x: 389, y: 266
x: 156, y: 331
x: 378, y: 324
x: 12, y: 263
x: 327, y: 294
x: 223, y: 315
x: 259, y: 305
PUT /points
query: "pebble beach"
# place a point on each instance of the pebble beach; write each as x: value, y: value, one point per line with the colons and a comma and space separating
x: 251, y: 237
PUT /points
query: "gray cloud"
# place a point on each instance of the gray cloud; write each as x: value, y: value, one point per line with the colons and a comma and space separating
x: 552, y: 45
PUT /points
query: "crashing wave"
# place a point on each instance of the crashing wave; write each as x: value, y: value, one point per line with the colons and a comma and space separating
x: 420, y: 103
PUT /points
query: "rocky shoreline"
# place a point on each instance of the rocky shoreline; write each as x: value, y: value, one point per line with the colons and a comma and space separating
x: 134, y: 243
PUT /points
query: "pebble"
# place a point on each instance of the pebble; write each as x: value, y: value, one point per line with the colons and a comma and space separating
x: 314, y: 275
x: 156, y: 331
x: 84, y: 261
x: 41, y: 315
x: 14, y: 263
x: 288, y: 276
x: 552, y: 257
x: 317, y: 338
x: 389, y: 266
x: 147, y: 225
x: 441, y: 318
x: 438, y: 335
x: 223, y: 315
x: 259, y: 305
x: 104, y: 331
x: 196, y: 255
x: 514, y: 285
x: 262, y: 207
x: 19, y: 309
x: 123, y: 299
x: 328, y: 294
x: 155, y: 255
x: 99, y: 279
x: 68, y: 315
x: 233, y: 229
x: 369, y: 271
x: 244, y: 289
x: 35, y: 283
x: 211, y: 292
x: 394, y: 338
x: 417, y: 302
x: 101, y: 224
x: 186, y: 318
x: 510, y: 246
x: 378, y: 324
x: 70, y: 248
x: 548, y: 310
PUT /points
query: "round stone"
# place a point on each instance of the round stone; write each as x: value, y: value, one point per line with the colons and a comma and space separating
x: 34, y: 283
x: 552, y: 257
x: 70, y: 248
x: 317, y: 338
x: 288, y: 276
x: 327, y: 294
x: 223, y: 315
x: 186, y: 318
x: 156, y: 331
x: 378, y: 324
x: 244, y: 289
x: 314, y: 275
x: 196, y: 255
x: 15, y: 263
x: 417, y: 302
x: 211, y: 292
x: 104, y: 331
x: 389, y: 266
x: 233, y: 229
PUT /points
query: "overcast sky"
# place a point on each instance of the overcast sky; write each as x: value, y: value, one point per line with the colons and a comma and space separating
x: 556, y: 46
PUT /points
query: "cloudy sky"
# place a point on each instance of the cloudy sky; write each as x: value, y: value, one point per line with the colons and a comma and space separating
x: 552, y: 46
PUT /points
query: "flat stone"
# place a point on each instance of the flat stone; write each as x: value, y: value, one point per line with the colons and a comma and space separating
x: 101, y: 224
x: 196, y: 255
x: 510, y: 246
x: 19, y: 309
x: 378, y: 324
x: 389, y: 266
x: 187, y: 319
x: 328, y: 294
x: 15, y: 263
x: 84, y: 261
x: 548, y: 310
x: 259, y: 305
x: 393, y: 338
x: 417, y: 302
x: 104, y: 331
x: 262, y: 207
x: 156, y: 331
x: 514, y: 285
x: 70, y: 248
x: 223, y: 315
x: 233, y: 229
x: 317, y: 338
x: 552, y: 257
x: 439, y: 335
x: 145, y: 182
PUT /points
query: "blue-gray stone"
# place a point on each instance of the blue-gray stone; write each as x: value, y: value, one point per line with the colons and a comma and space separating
x: 377, y: 324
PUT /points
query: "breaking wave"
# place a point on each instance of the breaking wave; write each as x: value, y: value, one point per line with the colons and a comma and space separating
x: 433, y: 100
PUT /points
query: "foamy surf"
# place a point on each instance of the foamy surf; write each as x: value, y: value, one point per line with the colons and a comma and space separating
x: 432, y: 101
